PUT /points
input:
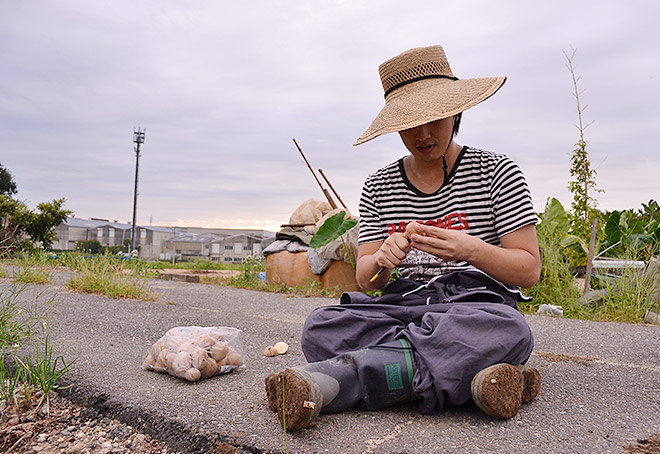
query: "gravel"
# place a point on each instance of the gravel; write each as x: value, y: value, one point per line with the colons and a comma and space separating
x: 66, y: 427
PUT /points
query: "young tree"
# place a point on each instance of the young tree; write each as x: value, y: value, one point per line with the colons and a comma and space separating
x: 7, y: 184
x: 37, y: 225
x: 584, y: 206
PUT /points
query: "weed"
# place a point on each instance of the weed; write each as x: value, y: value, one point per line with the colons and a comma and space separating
x: 556, y: 283
x: 107, y: 276
x: 11, y: 376
x: 626, y: 294
x: 19, y: 322
x: 252, y: 266
x: 32, y: 268
x: 629, y: 294
x: 199, y: 264
x: 43, y: 371
x: 309, y: 290
x: 32, y: 276
x: 11, y: 237
x: 111, y: 285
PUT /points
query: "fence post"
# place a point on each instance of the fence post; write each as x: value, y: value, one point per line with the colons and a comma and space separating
x: 592, y: 245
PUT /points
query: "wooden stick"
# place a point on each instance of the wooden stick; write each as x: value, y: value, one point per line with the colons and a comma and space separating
x: 590, y: 256
x: 325, y: 191
x: 332, y: 189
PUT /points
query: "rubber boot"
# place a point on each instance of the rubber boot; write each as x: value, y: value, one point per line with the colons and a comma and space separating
x: 373, y: 378
x: 500, y: 389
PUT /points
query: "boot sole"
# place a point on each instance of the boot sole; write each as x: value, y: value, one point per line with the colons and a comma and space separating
x: 301, y: 400
x: 498, y: 390
x: 532, y: 384
x: 271, y: 391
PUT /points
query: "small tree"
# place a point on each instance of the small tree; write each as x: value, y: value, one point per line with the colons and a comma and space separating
x: 11, y: 238
x: 42, y: 224
x: 90, y: 246
x: 7, y: 184
x: 38, y: 225
x: 584, y: 206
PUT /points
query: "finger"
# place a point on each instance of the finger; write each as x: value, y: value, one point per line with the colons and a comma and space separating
x: 403, y: 243
x: 436, y: 232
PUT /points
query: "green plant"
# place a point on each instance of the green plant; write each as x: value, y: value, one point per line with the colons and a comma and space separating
x: 7, y: 183
x: 32, y: 268
x: 43, y: 371
x: 252, y: 266
x: 584, y: 205
x: 89, y: 246
x: 202, y: 264
x: 38, y: 225
x: 555, y: 225
x: 309, y: 289
x: 637, y: 232
x: 105, y: 275
x: 11, y: 376
x: 556, y: 283
x: 628, y: 294
x: 18, y: 320
x: 11, y: 238
x: 30, y: 275
x: 333, y: 228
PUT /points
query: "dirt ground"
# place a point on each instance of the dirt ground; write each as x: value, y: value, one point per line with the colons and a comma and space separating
x: 65, y: 427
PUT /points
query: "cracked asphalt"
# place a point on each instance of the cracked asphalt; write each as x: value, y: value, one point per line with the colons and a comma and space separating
x: 600, y: 389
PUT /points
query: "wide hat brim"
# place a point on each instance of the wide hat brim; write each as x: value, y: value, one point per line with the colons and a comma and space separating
x: 429, y: 100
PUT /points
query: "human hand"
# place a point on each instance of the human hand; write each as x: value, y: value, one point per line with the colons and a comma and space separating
x: 393, y: 250
x: 447, y: 244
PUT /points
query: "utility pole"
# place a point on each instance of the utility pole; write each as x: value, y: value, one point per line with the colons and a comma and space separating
x: 138, y: 138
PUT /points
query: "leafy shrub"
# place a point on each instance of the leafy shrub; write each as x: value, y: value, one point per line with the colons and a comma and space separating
x: 556, y: 283
x: 11, y: 237
x: 627, y: 231
x: 89, y: 246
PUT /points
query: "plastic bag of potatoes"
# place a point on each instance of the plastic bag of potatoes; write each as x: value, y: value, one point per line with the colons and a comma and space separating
x: 195, y: 352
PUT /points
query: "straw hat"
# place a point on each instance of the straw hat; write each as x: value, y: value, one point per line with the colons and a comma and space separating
x: 420, y: 88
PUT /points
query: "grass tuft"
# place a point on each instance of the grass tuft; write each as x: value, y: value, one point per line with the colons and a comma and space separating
x: 21, y: 379
x: 108, y: 276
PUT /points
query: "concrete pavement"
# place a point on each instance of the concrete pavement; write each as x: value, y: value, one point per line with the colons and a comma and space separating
x: 600, y: 391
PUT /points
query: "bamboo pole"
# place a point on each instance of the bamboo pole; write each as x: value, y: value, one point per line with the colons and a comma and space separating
x: 332, y: 189
x: 325, y: 191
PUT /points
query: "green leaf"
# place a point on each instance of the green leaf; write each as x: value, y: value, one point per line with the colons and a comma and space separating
x: 333, y: 227
x: 638, y: 241
x: 575, y: 250
x: 613, y: 232
x: 555, y: 218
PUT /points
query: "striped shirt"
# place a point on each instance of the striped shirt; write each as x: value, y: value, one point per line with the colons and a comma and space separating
x: 485, y: 194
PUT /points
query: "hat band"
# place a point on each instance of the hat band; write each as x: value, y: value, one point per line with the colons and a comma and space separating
x: 417, y: 79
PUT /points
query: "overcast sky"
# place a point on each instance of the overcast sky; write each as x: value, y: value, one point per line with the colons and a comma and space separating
x: 223, y: 87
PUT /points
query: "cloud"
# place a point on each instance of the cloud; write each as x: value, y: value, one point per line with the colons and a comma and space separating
x: 222, y: 88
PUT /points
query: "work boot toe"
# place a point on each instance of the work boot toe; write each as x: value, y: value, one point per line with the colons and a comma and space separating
x: 498, y: 390
x: 532, y: 384
x: 271, y: 391
x: 295, y: 397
